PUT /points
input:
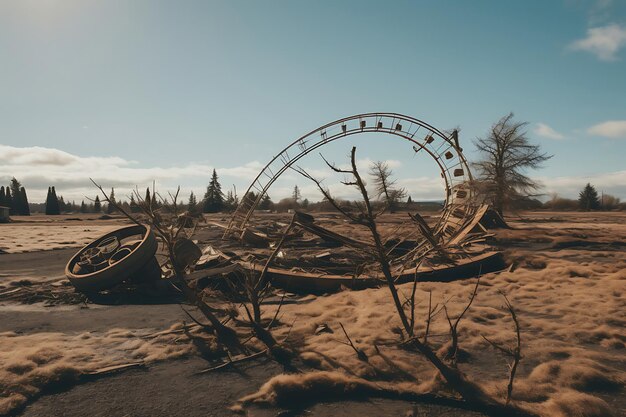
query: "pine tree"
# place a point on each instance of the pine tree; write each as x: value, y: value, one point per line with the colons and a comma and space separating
x: 588, y: 198
x: 62, y: 205
x: 2, y: 197
x: 111, y: 207
x: 266, y: 203
x: 25, y: 208
x: 147, y: 199
x: 16, y: 202
x: 192, y: 206
x: 97, y: 207
x: 409, y: 201
x: 83, y: 207
x: 134, y: 208
x: 296, y: 194
x: 8, y: 200
x: 231, y: 201
x: 56, y: 207
x: 214, y: 198
x: 48, y: 209
x: 52, y: 202
x: 249, y: 198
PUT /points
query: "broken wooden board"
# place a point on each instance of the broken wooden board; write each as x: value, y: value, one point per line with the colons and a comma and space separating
x: 333, y: 237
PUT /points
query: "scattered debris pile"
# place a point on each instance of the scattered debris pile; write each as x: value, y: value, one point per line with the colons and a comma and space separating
x: 329, y: 253
x: 307, y: 254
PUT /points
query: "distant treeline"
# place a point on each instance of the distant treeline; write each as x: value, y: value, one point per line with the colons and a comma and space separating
x: 214, y: 201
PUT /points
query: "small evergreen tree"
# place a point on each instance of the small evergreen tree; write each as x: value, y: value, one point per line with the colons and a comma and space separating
x: 588, y: 198
x: 56, y: 207
x: 232, y: 200
x: 148, y: 198
x: 111, y: 207
x: 249, y: 198
x: 134, y: 207
x: 48, y: 209
x: 266, y: 203
x: 24, y: 207
x: 305, y: 203
x: 16, y: 206
x: 83, y: 207
x: 97, y: 207
x: 192, y: 205
x: 52, y: 202
x: 2, y: 197
x: 14, y: 187
x: 214, y: 198
x: 8, y: 200
x: 296, y: 194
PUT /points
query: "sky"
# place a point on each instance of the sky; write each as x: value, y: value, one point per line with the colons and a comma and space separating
x: 131, y: 92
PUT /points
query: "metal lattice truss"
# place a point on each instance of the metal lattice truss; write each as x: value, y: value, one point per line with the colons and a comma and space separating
x: 460, y: 205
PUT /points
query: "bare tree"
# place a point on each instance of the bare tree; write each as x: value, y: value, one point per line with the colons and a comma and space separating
x: 506, y: 153
x: 386, y: 186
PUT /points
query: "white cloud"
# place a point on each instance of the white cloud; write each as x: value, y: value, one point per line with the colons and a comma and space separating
x: 569, y: 186
x: 38, y: 168
x: 604, y: 42
x: 546, y: 131
x: 248, y: 171
x: 610, y: 129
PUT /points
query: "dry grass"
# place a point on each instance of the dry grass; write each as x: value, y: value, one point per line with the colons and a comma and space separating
x: 569, y: 300
x: 33, y: 362
x: 570, y: 310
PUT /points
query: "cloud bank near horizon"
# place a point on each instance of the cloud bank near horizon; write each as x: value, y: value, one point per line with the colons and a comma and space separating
x: 37, y: 168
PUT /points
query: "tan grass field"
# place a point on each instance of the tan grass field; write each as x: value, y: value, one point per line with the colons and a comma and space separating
x: 567, y: 284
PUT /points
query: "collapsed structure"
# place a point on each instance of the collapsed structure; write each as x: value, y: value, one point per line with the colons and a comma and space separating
x: 329, y: 252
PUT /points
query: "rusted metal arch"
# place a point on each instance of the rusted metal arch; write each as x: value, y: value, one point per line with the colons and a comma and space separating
x: 390, y: 123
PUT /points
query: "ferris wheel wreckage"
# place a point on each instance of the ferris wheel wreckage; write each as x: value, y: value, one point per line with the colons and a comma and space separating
x: 328, y: 250
x: 451, y: 247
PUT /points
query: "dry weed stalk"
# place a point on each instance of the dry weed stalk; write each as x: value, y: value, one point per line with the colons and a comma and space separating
x: 454, y: 334
x: 172, y: 231
x: 169, y: 231
x: 359, y: 353
x: 366, y: 216
x: 250, y: 289
x: 513, y: 352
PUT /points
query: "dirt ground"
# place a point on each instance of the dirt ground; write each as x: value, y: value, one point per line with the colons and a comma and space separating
x: 567, y: 283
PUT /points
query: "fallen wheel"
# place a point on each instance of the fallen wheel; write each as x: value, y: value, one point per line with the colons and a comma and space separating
x: 126, y: 253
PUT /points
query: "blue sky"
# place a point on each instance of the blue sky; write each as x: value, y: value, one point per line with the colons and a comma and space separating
x: 130, y: 92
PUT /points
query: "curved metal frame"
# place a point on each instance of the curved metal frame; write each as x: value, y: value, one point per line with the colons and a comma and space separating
x: 443, y: 149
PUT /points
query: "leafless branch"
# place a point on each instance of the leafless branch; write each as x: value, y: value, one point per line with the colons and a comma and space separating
x: 513, y: 352
x: 359, y: 353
